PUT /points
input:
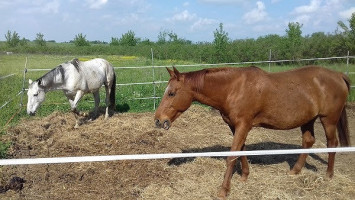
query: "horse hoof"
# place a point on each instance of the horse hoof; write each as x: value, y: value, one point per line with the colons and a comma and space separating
x: 243, y: 178
x: 329, y: 175
x: 222, y: 195
x: 293, y: 172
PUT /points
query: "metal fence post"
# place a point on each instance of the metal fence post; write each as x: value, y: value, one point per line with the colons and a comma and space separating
x: 347, y: 63
x: 154, y: 85
x: 269, y: 60
x: 23, y: 83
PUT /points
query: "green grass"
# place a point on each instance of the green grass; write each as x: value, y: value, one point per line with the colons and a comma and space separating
x: 126, y: 96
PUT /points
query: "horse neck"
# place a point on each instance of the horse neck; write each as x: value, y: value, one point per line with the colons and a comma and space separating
x: 53, y: 80
x: 211, y: 90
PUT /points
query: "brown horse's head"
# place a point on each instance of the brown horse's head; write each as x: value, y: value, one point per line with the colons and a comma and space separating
x: 177, y: 98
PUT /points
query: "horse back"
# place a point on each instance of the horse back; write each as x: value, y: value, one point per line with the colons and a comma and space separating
x: 90, y: 75
x: 290, y: 99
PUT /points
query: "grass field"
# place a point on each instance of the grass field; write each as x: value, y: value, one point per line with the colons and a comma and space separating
x: 126, y: 96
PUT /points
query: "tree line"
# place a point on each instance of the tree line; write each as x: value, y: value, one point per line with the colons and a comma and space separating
x: 292, y: 45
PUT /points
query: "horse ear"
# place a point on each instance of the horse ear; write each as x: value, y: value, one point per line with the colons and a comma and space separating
x: 30, y: 81
x: 39, y: 81
x: 177, y: 73
x: 173, y: 73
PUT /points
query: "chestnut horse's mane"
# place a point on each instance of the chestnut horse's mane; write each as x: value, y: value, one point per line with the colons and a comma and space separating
x: 197, y: 78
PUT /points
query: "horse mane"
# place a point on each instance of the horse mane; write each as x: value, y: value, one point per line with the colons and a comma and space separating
x: 48, y: 77
x: 197, y: 78
x: 75, y: 62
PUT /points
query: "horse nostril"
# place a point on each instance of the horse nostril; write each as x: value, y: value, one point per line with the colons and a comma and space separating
x: 157, y: 123
x: 32, y: 113
x: 166, y: 124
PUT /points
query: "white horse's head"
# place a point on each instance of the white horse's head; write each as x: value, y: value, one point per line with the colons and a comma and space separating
x: 36, y: 96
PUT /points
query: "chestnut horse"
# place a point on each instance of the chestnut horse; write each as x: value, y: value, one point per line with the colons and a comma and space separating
x: 250, y: 97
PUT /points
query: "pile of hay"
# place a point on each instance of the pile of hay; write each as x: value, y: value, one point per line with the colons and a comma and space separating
x: 197, y: 130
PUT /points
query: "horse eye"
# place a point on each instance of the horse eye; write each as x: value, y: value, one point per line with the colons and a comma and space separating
x: 171, y: 94
x: 35, y: 94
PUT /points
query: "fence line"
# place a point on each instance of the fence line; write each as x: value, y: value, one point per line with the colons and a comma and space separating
x: 62, y: 160
x: 7, y: 102
x: 3, y: 77
x: 192, y: 65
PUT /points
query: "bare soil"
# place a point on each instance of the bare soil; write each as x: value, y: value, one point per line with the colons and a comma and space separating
x: 199, y: 129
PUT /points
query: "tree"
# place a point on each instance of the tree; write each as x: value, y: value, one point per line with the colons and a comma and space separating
x: 162, y: 37
x: 294, y: 37
x: 128, y: 39
x: 24, y: 41
x: 80, y: 40
x: 12, y: 39
x: 220, y: 43
x: 349, y: 33
x: 40, y: 40
x: 114, y: 41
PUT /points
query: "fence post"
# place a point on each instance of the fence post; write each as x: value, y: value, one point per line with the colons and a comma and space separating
x: 347, y: 63
x: 23, y: 83
x: 154, y: 95
x: 269, y: 60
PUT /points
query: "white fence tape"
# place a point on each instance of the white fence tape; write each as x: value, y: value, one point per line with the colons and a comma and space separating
x: 61, y: 160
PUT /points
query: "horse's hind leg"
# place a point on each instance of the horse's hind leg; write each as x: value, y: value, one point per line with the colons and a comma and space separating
x: 108, y: 91
x: 307, y: 142
x: 97, y: 103
x: 332, y: 142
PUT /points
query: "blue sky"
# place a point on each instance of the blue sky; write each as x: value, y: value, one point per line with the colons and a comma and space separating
x: 61, y: 20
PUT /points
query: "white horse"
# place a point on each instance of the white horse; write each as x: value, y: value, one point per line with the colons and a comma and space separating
x: 75, y: 78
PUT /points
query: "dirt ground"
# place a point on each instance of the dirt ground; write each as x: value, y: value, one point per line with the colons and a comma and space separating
x: 198, y: 130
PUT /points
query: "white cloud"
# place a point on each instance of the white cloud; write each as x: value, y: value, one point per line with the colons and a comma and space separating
x: 201, y: 23
x: 41, y: 7
x: 303, y: 19
x: 346, y: 14
x: 312, y: 7
x: 182, y: 17
x: 96, y: 4
x: 222, y: 1
x: 257, y: 14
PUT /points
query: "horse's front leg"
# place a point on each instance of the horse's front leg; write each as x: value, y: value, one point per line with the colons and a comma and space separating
x: 241, y: 132
x: 244, y: 160
x: 73, y: 105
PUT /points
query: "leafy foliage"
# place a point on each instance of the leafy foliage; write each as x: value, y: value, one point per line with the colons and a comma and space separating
x: 220, y: 43
x: 12, y: 39
x: 128, y: 39
x: 294, y: 39
x: 40, y: 40
x: 349, y: 33
x: 80, y: 40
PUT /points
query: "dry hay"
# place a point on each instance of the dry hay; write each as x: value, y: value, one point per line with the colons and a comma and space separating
x: 197, y: 130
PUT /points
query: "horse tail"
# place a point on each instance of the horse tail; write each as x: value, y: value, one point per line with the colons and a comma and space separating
x: 347, y: 81
x: 342, y: 126
x: 113, y: 93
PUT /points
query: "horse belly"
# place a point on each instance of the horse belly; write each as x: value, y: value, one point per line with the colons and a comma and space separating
x: 284, y: 117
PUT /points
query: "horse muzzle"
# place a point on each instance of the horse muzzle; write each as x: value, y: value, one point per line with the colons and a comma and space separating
x: 31, y: 113
x: 165, y: 124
